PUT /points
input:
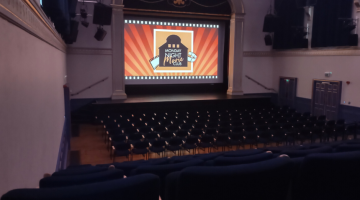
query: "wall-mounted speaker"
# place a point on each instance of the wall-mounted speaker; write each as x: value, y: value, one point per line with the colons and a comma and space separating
x: 100, y: 34
x: 102, y: 14
x: 268, y: 40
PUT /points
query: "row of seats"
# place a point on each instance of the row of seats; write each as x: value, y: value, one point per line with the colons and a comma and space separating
x: 321, y: 171
x: 176, y: 131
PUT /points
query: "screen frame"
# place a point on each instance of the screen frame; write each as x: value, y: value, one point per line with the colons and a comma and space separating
x: 219, y: 79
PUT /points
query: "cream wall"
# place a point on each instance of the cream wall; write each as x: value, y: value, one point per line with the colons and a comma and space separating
x: 344, y: 68
x: 32, y: 107
x: 258, y: 68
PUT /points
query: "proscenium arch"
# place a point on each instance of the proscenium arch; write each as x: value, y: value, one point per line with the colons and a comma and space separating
x: 237, y: 6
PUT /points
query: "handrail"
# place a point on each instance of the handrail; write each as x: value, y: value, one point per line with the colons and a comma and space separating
x: 260, y: 84
x: 81, y: 91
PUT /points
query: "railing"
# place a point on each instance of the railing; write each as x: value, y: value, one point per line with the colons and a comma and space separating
x: 83, y: 90
x: 266, y: 88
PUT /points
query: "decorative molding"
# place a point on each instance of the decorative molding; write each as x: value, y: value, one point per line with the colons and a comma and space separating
x: 88, y: 51
x: 164, y: 13
x: 117, y: 7
x: 304, y: 53
x: 29, y: 16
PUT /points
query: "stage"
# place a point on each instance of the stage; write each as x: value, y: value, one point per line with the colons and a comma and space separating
x: 180, y: 101
x: 178, y: 98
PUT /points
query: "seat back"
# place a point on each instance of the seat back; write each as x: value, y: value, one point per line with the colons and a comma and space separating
x: 329, y: 176
x: 214, y: 183
x: 63, y: 181
x: 78, y: 171
x: 145, y: 187
x: 307, y: 151
x: 226, y: 161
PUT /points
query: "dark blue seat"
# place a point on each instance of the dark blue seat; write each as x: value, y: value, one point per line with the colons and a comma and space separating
x: 140, y: 148
x: 158, y: 146
x: 308, y: 151
x: 214, y: 183
x: 329, y: 176
x: 347, y: 148
x: 63, y: 181
x: 174, y: 145
x: 127, y: 167
x: 226, y: 161
x: 163, y: 170
x: 241, y: 153
x: 190, y: 144
x: 145, y: 187
x: 79, y: 171
x: 206, y: 141
x: 121, y: 149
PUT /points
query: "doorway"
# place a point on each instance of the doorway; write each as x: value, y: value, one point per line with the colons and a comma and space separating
x: 326, y: 97
x: 287, y: 91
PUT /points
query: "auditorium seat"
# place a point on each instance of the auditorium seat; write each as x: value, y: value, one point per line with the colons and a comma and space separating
x: 63, y: 181
x: 232, y: 182
x: 226, y: 161
x: 240, y: 153
x: 121, y: 149
x: 347, y: 147
x: 163, y: 170
x: 329, y: 176
x: 158, y: 146
x: 76, y: 171
x: 140, y: 148
x: 308, y: 151
x: 145, y: 187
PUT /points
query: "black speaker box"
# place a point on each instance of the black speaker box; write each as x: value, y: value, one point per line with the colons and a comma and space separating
x: 304, y: 3
x: 270, y: 23
x: 268, y: 40
x: 102, y: 14
x: 100, y: 34
x: 72, y: 8
x: 354, y: 40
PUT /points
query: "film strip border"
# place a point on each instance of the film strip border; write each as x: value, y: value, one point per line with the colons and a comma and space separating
x: 170, y: 77
x: 162, y: 23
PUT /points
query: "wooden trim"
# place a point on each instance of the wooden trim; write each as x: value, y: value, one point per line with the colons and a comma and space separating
x: 88, y: 51
x: 325, y: 80
x: 305, y: 53
x: 164, y: 13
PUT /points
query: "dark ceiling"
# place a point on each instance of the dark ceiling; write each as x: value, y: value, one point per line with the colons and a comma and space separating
x: 207, y: 6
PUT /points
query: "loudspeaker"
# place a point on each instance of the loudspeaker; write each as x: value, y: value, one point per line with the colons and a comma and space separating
x: 268, y: 40
x: 100, y: 34
x: 270, y: 23
x: 305, y: 3
x: 102, y: 14
x: 74, y: 30
x: 72, y: 7
x: 354, y: 40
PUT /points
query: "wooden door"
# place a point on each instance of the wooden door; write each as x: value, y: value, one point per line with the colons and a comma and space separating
x: 287, y: 91
x: 326, y: 98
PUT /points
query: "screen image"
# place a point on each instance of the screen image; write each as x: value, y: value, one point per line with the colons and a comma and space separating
x: 172, y: 52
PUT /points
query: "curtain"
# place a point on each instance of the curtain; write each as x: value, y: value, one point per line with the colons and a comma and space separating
x: 288, y: 34
x: 329, y: 26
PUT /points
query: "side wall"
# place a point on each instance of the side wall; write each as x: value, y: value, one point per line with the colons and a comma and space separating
x: 258, y: 68
x: 307, y: 68
x: 32, y: 107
